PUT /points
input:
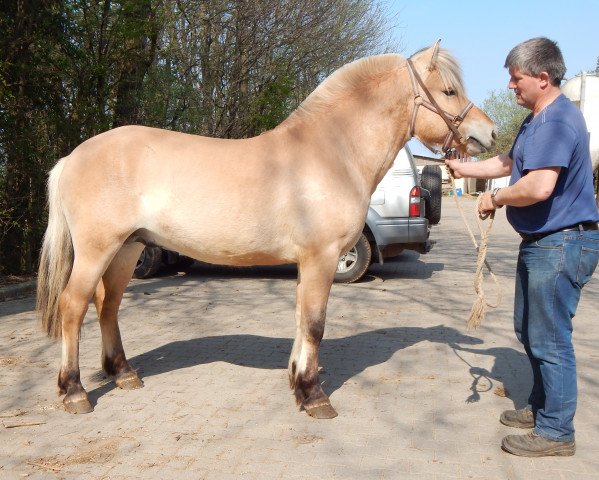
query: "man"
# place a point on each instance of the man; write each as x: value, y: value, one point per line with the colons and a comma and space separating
x: 550, y: 203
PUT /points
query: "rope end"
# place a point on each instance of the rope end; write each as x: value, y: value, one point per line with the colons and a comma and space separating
x: 477, y: 314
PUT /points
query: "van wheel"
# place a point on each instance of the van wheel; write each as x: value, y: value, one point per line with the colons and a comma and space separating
x: 148, y: 262
x: 353, y: 265
x: 431, y: 180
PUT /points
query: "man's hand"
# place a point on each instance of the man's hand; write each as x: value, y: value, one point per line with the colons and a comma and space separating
x: 454, y: 163
x: 485, y: 204
x: 452, y: 166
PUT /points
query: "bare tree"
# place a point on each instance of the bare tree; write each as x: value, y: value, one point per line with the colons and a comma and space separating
x: 247, y: 63
x: 70, y: 69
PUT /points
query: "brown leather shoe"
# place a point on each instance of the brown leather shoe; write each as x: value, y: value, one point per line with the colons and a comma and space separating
x: 522, y: 418
x: 533, y: 445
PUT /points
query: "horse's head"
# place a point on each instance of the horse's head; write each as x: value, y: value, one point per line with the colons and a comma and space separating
x: 449, y: 120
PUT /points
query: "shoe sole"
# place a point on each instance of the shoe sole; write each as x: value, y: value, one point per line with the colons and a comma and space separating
x: 558, y: 451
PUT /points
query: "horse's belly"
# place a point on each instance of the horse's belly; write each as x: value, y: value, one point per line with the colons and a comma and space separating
x: 225, y: 245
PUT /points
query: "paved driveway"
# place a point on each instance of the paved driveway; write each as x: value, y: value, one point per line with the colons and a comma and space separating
x: 418, y: 395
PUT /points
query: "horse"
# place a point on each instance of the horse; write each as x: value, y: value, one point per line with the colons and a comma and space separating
x: 298, y: 193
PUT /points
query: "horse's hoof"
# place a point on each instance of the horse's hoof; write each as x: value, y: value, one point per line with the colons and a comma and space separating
x: 77, y: 405
x: 128, y: 381
x: 320, y: 410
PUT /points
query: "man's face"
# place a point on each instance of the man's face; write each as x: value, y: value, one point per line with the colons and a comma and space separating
x: 526, y: 88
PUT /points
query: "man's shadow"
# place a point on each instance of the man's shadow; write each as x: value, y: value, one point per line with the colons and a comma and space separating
x: 343, y: 358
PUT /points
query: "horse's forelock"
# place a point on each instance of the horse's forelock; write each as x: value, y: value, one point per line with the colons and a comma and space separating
x: 450, y: 72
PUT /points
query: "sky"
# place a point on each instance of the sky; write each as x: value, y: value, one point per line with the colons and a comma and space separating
x: 480, y: 34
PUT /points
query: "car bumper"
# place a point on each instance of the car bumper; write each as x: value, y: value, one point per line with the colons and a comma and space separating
x: 409, y: 233
x: 401, y: 230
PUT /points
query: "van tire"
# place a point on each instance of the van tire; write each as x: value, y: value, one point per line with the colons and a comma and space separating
x: 148, y: 263
x: 353, y: 265
x: 432, y: 181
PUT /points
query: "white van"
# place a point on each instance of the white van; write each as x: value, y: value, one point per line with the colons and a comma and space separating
x: 402, y: 209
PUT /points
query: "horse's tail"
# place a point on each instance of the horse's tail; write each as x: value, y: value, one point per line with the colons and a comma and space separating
x: 56, y: 260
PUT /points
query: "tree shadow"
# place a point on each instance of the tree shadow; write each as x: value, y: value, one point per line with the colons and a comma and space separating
x: 343, y: 357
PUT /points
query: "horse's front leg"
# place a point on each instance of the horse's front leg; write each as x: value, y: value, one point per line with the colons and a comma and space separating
x: 315, y: 278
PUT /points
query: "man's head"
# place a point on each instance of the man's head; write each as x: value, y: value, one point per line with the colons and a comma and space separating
x: 536, y: 69
x: 537, y: 55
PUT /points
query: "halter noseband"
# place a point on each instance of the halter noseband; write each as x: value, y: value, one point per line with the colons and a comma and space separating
x: 452, y: 121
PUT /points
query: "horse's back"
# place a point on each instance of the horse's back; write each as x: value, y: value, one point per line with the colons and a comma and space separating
x: 250, y: 201
x: 214, y: 199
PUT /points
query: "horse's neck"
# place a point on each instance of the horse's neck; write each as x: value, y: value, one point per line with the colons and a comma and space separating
x: 366, y: 136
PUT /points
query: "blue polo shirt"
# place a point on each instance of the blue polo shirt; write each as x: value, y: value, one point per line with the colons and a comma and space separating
x: 556, y: 137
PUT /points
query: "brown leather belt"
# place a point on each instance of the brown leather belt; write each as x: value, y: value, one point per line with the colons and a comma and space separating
x: 581, y: 227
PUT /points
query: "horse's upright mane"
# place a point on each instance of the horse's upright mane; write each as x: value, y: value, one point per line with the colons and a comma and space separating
x: 345, y: 79
x: 355, y: 74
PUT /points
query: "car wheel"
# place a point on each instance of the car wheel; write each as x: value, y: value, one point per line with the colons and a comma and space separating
x: 432, y: 181
x: 353, y: 265
x: 148, y: 262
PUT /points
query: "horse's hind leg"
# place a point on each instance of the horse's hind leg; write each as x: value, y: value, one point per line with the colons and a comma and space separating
x: 314, y: 283
x: 73, y: 305
x: 107, y: 300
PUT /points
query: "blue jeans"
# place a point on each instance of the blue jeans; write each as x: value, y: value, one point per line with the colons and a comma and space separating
x: 550, y: 275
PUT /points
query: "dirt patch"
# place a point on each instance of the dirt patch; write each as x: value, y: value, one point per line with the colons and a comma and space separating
x: 9, y: 361
x: 307, y: 439
x: 501, y: 391
x: 95, y: 451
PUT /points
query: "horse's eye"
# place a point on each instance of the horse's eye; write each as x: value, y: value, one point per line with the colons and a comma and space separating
x: 449, y: 93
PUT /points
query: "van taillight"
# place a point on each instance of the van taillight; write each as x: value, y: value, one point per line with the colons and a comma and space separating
x: 415, y: 202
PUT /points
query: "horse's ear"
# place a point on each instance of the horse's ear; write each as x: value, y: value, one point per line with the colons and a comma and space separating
x: 435, y: 52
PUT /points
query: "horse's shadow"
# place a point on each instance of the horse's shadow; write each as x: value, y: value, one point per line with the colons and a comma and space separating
x: 343, y: 357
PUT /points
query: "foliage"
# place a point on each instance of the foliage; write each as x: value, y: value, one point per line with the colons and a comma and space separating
x: 70, y: 69
x: 502, y: 108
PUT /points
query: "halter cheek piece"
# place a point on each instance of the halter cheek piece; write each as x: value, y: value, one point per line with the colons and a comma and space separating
x: 452, y: 121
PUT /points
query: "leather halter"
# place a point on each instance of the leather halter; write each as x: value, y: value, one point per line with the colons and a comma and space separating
x: 452, y: 121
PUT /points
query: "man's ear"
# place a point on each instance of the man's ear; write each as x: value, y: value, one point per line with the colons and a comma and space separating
x: 545, y: 79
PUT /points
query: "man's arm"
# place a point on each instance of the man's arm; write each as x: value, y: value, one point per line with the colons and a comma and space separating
x: 495, y: 167
x: 535, y: 186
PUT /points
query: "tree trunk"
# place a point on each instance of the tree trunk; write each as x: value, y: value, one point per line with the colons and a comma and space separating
x: 140, y: 51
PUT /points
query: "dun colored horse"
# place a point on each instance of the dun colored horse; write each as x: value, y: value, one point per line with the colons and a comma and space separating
x: 296, y: 194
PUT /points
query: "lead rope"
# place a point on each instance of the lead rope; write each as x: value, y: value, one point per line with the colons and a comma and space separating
x: 479, y: 307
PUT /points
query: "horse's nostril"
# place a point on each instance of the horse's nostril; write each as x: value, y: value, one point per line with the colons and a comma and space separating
x: 494, y: 134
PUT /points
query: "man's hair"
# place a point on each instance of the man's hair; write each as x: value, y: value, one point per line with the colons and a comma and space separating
x: 538, y: 55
